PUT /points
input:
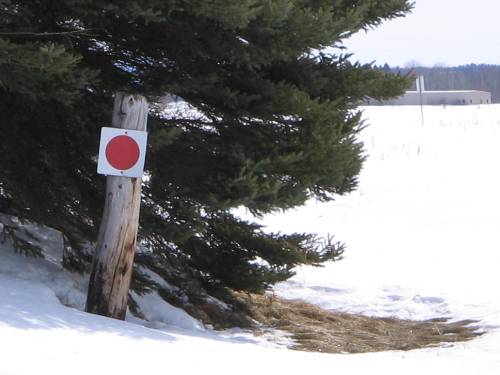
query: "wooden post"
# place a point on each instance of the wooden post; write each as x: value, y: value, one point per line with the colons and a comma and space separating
x: 114, y: 256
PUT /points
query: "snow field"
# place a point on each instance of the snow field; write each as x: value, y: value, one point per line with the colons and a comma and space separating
x: 422, y: 237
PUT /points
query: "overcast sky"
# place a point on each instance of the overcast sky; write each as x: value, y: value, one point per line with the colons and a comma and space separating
x: 449, y: 32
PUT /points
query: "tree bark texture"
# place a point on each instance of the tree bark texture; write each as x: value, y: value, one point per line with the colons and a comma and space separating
x: 114, y: 257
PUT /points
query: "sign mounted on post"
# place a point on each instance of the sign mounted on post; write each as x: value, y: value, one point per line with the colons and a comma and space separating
x: 122, y: 152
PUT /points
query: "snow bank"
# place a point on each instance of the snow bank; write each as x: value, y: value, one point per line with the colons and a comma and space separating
x: 71, y: 288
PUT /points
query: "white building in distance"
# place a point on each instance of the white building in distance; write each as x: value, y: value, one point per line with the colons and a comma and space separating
x: 454, y: 97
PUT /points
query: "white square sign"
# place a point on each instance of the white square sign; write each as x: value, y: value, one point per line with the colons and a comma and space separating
x: 122, y: 152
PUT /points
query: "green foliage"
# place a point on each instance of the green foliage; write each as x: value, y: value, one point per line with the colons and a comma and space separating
x: 237, y: 253
x: 276, y: 124
x: 22, y: 240
x: 41, y: 72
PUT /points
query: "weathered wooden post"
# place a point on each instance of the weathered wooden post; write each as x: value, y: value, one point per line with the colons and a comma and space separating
x: 114, y: 256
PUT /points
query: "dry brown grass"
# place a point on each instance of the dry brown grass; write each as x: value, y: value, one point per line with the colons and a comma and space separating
x: 318, y: 330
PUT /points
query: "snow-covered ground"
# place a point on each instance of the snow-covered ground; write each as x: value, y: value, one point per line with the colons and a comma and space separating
x: 422, y: 242
x: 423, y: 229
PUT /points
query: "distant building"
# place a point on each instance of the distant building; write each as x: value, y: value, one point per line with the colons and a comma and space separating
x: 457, y: 97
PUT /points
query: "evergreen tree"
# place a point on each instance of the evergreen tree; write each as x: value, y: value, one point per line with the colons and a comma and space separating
x: 272, y: 120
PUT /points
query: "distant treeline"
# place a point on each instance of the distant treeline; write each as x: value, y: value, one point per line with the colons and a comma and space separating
x: 467, y: 77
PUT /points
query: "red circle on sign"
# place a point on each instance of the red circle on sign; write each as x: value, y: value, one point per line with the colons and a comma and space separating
x: 122, y: 152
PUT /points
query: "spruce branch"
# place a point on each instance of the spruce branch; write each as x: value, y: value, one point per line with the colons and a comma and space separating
x: 30, y: 34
